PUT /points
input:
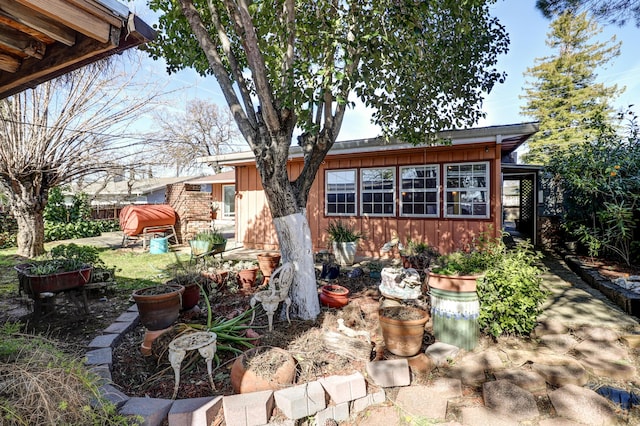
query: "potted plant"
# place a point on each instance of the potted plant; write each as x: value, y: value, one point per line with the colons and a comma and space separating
x: 268, y: 263
x: 344, y: 239
x: 334, y: 295
x: 403, y: 329
x: 66, y: 266
x: 208, y: 242
x: 246, y: 274
x: 414, y: 254
x: 158, y: 308
x: 214, y: 210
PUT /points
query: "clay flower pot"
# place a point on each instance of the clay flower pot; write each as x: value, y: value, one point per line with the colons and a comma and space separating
x: 268, y: 262
x: 455, y: 283
x: 245, y: 378
x: 190, y: 297
x: 159, y: 306
x: 247, y: 279
x: 403, y: 329
x: 334, y: 296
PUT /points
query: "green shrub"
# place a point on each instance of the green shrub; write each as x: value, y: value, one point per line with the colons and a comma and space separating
x: 510, y: 294
x: 56, y: 231
x: 341, y: 232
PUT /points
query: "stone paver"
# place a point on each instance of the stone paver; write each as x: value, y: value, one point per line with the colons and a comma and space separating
x: 248, y: 409
x: 339, y: 412
x: 525, y: 379
x: 509, y: 400
x: 483, y: 416
x: 598, y: 334
x: 194, y: 411
x: 582, y: 405
x: 389, y: 373
x: 104, y: 341
x: 152, y: 410
x: 604, y: 349
x: 102, y: 356
x: 344, y: 388
x: 419, y: 401
x: 441, y: 353
x: 550, y: 327
x: 301, y: 401
x: 361, y: 404
x: 608, y: 368
x: 472, y: 368
x: 559, y: 371
x: 561, y: 343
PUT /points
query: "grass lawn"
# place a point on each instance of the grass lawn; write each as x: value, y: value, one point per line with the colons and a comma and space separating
x: 133, y: 269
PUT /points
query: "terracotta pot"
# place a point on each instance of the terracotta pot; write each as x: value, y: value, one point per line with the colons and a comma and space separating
x: 457, y: 283
x: 190, y: 297
x: 159, y: 306
x: 268, y: 263
x: 334, y: 296
x: 403, y: 337
x: 245, y: 380
x: 247, y: 279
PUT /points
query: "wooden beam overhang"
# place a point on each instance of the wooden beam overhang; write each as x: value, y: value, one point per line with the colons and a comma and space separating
x: 43, y: 39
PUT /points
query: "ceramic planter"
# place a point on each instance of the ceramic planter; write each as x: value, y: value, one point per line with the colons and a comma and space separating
x: 345, y: 253
x: 403, y: 329
x: 268, y: 262
x: 244, y: 379
x: 455, y: 309
x: 457, y: 283
x: 190, y: 297
x: 199, y: 247
x: 247, y: 279
x: 159, y: 306
x: 334, y: 296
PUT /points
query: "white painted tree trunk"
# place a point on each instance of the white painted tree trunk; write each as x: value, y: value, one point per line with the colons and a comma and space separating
x: 294, y: 235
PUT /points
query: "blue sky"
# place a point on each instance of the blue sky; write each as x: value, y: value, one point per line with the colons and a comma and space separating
x: 527, y: 30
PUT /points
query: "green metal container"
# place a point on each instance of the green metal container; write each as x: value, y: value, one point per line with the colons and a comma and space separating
x: 455, y: 317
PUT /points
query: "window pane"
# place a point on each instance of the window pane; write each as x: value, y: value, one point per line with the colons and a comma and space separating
x: 340, y: 193
x: 473, y: 200
x: 378, y: 190
x: 419, y: 184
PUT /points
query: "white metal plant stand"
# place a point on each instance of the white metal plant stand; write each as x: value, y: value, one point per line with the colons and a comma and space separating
x: 203, y: 341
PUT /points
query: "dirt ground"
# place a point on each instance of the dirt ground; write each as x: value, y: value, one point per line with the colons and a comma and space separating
x: 152, y: 376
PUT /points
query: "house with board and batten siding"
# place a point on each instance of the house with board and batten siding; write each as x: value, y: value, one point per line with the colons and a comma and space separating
x: 443, y: 195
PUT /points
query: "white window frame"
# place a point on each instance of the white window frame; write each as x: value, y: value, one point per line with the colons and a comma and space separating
x: 327, y: 193
x: 383, y: 191
x: 425, y: 190
x: 469, y: 187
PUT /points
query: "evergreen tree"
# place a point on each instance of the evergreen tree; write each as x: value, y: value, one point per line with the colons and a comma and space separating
x: 564, y: 95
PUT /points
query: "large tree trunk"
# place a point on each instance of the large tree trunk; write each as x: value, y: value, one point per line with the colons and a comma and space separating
x: 30, y: 231
x: 296, y: 247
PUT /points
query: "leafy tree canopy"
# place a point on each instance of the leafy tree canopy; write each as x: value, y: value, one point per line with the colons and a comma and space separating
x: 423, y: 66
x: 614, y: 11
x: 563, y: 93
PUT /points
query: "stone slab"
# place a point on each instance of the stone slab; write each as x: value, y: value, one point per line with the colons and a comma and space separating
x: 483, y: 416
x: 389, y: 373
x: 361, y: 404
x: 113, y: 395
x: 525, y: 379
x: 129, y: 316
x: 119, y: 327
x: 441, y: 353
x: 344, y: 388
x: 103, y: 356
x: 420, y: 401
x: 560, y: 371
x: 105, y: 341
x: 248, y: 409
x: 301, y: 401
x: 339, y: 413
x: 153, y: 411
x: 582, y: 405
x: 509, y: 400
x: 194, y: 411
x: 561, y: 343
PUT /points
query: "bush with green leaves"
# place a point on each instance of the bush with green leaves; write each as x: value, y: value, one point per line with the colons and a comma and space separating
x: 601, y: 184
x: 341, y: 232
x: 510, y: 292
